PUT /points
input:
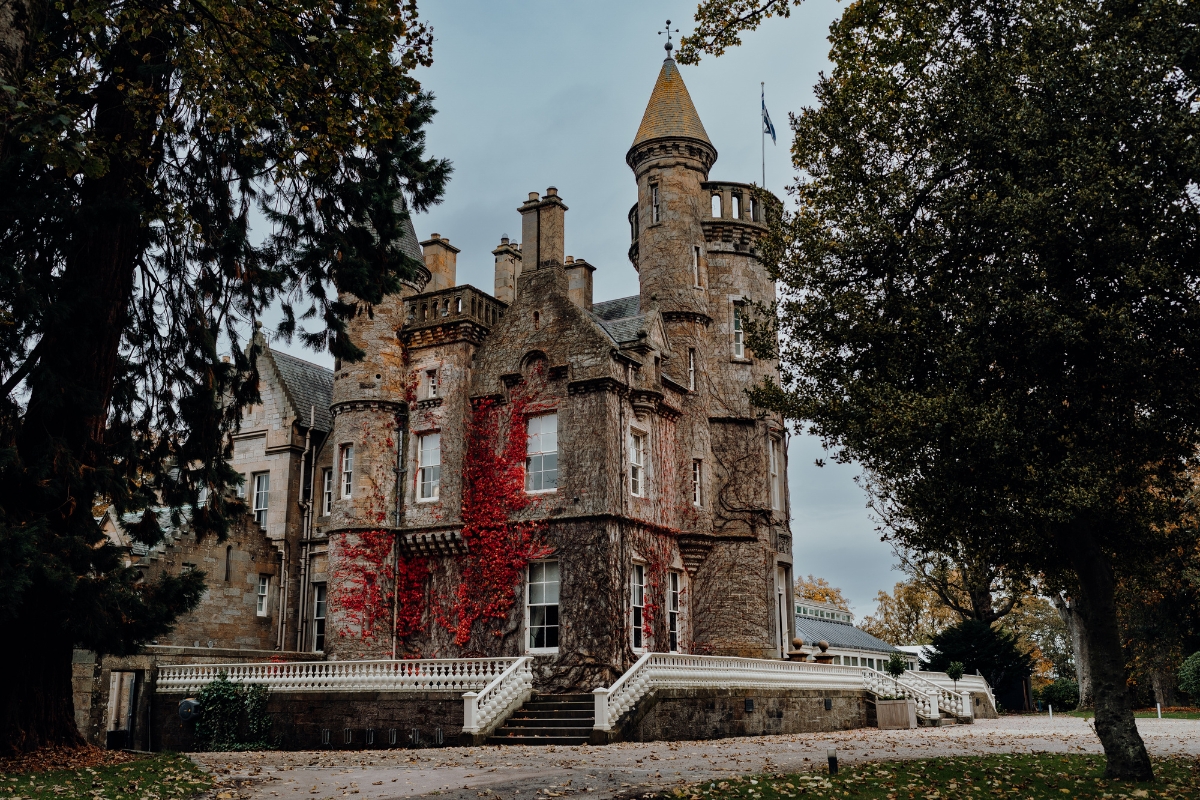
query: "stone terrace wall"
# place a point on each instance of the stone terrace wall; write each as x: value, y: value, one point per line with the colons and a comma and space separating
x: 682, y: 714
x: 299, y: 717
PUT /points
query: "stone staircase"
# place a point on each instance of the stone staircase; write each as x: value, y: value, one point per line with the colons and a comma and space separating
x: 549, y: 719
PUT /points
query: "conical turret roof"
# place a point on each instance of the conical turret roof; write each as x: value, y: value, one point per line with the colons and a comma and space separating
x: 670, y: 111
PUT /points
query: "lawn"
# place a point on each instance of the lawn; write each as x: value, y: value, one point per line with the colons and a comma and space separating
x: 1017, y: 776
x: 158, y: 777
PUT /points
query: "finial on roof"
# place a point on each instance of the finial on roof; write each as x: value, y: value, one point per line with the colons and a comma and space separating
x: 668, y: 46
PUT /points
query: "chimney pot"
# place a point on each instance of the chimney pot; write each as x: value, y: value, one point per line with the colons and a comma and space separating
x: 533, y: 196
x: 436, y: 236
x: 570, y: 260
x: 552, y: 192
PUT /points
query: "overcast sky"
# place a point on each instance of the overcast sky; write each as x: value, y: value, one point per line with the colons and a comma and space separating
x: 542, y: 93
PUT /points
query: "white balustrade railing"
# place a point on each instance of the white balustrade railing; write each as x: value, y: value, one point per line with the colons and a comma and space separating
x: 483, y: 709
x: 948, y: 699
x: 966, y: 684
x: 413, y: 675
x: 673, y: 670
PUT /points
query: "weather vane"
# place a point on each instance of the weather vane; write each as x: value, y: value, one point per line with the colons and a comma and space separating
x: 668, y: 46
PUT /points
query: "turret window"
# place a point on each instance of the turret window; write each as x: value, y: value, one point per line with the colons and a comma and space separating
x: 692, y: 369
x: 739, y: 334
x: 655, y: 210
x: 696, y: 266
x: 736, y: 213
x: 429, y: 466
x: 347, y: 468
x: 697, y: 483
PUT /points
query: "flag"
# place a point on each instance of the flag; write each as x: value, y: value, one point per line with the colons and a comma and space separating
x: 766, y: 119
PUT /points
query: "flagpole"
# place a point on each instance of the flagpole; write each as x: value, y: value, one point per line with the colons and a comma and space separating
x: 762, y: 134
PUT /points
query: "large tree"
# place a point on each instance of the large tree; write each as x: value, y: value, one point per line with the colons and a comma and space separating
x: 138, y: 140
x: 990, y: 289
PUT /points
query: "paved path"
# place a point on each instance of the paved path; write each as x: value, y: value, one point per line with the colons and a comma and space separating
x: 533, y: 773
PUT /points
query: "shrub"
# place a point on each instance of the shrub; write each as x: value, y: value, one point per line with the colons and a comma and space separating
x: 1189, y: 676
x: 233, y: 716
x: 1063, y: 694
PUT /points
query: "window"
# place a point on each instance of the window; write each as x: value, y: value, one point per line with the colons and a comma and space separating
x: 458, y: 305
x: 637, y: 603
x: 855, y: 660
x: 240, y: 490
x: 429, y: 466
x: 692, y: 369
x: 264, y: 583
x: 431, y: 383
x: 347, y: 470
x: 319, y: 605
x: 228, y: 561
x: 326, y: 492
x: 754, y: 215
x: 739, y: 335
x: 776, y: 447
x: 637, y: 464
x: 262, y: 497
x: 696, y: 266
x: 655, y: 213
x: 736, y: 213
x: 716, y: 206
x: 541, y: 454
x: 673, y: 611
x: 697, y: 476
x: 542, y: 605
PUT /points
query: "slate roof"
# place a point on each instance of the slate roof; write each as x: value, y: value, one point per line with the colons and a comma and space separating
x: 620, y: 318
x: 408, y: 242
x: 306, y: 385
x: 839, y: 634
x: 670, y: 111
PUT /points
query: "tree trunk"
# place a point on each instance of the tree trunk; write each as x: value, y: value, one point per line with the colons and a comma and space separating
x: 1115, y: 725
x: 1079, y: 647
x: 36, y: 704
x: 1166, y: 687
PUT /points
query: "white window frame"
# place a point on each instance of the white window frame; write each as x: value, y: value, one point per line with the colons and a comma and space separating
x: 696, y: 267
x: 531, y: 596
x: 320, y: 614
x: 697, y: 483
x: 262, y: 497
x: 240, y: 489
x: 775, y: 446
x: 326, y: 491
x: 637, y: 608
x: 346, y: 470
x: 674, y: 584
x: 262, y: 595
x: 691, y: 369
x: 429, y: 471
x: 537, y: 442
x: 655, y: 211
x: 431, y: 384
x: 637, y: 463
x: 739, y: 334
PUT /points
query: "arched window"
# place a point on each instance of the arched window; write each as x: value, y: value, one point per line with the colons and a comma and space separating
x: 716, y: 206
x: 737, y: 206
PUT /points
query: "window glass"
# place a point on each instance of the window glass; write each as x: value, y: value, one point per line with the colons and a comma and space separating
x: 262, y: 497
x: 777, y: 484
x: 716, y: 206
x: 655, y: 213
x: 696, y: 265
x: 692, y: 369
x: 739, y: 335
x: 541, y: 454
x: 637, y: 464
x: 429, y: 472
x: 319, y: 606
x: 697, y: 475
x: 326, y: 492
x: 240, y: 489
x: 637, y: 603
x: 264, y: 583
x: 542, y: 606
x: 673, y: 580
x: 431, y: 381
x: 347, y: 470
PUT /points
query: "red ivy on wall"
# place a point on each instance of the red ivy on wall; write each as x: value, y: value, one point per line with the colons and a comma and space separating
x: 498, y: 548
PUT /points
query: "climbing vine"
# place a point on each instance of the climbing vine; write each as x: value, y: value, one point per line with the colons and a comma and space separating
x: 499, y: 547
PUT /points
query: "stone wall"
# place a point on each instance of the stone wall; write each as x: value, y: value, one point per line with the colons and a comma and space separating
x: 298, y: 719
x: 682, y: 714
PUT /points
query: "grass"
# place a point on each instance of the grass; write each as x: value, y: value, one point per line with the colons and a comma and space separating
x: 165, y: 776
x: 1146, y: 713
x: 1039, y: 777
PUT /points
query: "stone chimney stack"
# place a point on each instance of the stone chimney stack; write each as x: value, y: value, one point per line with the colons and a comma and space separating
x: 508, y: 269
x: 579, y: 282
x: 441, y: 259
x: 542, y: 234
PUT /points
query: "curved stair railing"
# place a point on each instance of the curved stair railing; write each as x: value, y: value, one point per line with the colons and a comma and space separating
x: 880, y: 683
x: 482, y: 710
x: 957, y: 703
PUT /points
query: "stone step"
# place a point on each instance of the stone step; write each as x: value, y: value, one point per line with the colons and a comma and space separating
x: 523, y: 721
x: 539, y: 740
x: 549, y: 730
x: 557, y: 708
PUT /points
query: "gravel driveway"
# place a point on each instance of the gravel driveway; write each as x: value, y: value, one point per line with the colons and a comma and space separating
x: 533, y: 773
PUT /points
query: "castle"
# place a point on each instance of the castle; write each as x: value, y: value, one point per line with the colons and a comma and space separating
x: 527, y: 471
